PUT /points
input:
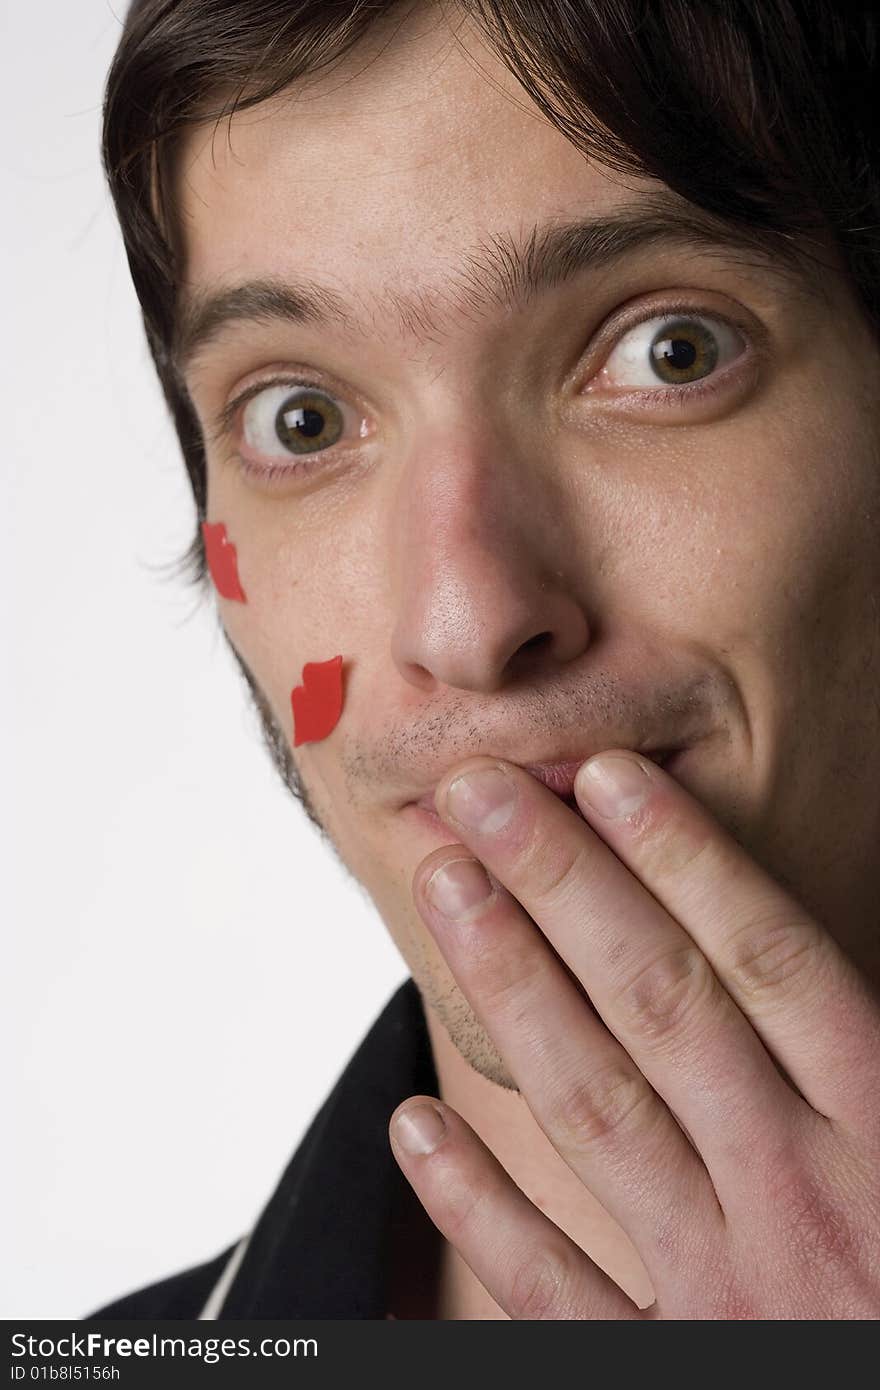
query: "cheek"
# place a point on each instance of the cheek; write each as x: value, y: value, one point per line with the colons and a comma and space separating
x: 815, y: 555
x: 317, y: 703
x: 286, y: 637
x: 779, y: 547
x: 222, y: 560
x: 265, y: 645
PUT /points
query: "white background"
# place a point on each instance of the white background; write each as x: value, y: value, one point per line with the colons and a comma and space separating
x: 183, y: 986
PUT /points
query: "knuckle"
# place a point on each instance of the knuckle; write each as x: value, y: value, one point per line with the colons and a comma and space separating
x: 826, y: 1241
x: 672, y: 846
x: 660, y: 1000
x: 816, y: 1213
x: 736, y: 1296
x: 460, y: 1202
x: 507, y: 976
x: 772, y: 957
x: 555, y: 869
x: 537, y: 1288
x: 597, y: 1108
x: 816, y: 1224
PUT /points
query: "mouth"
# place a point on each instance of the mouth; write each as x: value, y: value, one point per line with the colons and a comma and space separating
x: 558, y: 778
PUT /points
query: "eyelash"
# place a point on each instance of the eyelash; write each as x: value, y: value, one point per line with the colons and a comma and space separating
x: 678, y: 396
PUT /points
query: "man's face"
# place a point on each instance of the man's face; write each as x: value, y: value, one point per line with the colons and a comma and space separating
x: 517, y: 545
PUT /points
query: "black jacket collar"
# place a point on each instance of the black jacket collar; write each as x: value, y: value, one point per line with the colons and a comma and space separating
x: 323, y: 1245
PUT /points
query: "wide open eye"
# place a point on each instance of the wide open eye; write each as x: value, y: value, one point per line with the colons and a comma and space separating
x: 670, y: 350
x: 296, y: 419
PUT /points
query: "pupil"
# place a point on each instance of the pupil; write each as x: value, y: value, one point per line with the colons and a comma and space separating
x: 306, y: 421
x: 678, y: 352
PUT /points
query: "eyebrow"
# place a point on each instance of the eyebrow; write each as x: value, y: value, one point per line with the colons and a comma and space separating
x: 503, y: 271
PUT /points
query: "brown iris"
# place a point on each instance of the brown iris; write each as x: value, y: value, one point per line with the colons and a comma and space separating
x: 683, y: 351
x: 308, y: 421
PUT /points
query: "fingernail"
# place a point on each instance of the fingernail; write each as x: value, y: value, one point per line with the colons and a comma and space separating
x: 482, y: 800
x: 457, y: 887
x: 419, y: 1129
x: 614, y: 786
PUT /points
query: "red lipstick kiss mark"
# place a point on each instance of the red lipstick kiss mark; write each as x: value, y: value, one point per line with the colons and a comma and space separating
x: 317, y: 703
x: 222, y: 560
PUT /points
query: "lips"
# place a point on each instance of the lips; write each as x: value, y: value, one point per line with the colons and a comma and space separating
x: 559, y: 777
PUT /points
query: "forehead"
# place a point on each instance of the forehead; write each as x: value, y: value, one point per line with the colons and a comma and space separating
x: 380, y: 172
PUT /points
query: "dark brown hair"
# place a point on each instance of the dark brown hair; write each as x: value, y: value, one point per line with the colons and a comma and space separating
x: 758, y: 112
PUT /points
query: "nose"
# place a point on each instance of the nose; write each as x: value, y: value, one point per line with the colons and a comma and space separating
x: 480, y: 595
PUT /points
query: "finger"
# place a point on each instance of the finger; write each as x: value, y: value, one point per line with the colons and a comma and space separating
x: 531, y: 1268
x: 813, y: 1009
x: 585, y: 1091
x: 652, y: 986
